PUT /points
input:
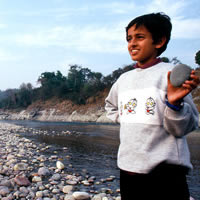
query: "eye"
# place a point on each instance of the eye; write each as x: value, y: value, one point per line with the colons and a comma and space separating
x: 128, y: 39
x: 140, y: 37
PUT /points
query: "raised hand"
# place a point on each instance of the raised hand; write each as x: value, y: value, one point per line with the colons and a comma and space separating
x: 176, y: 94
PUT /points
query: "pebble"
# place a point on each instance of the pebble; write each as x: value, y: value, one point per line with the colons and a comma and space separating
x: 43, y: 171
x: 4, y: 190
x: 27, y: 173
x: 67, y: 189
x: 60, y: 165
x: 56, y: 177
x: 69, y: 197
x: 36, y: 179
x: 81, y: 195
x: 20, y: 167
x: 21, y: 181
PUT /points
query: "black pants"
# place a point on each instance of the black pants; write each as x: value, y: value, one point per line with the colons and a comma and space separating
x: 165, y: 182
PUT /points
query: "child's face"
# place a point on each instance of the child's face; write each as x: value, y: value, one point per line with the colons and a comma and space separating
x: 140, y: 45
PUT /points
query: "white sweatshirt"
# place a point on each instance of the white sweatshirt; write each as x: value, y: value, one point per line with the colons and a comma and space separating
x: 150, y: 132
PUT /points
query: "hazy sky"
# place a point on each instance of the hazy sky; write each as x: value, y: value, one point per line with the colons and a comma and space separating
x: 39, y: 36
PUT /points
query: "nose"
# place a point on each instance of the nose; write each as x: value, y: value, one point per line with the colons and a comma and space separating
x: 132, y: 42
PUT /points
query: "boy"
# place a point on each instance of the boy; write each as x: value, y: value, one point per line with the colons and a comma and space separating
x: 154, y: 117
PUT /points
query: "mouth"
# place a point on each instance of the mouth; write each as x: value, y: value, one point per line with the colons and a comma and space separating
x: 134, y: 51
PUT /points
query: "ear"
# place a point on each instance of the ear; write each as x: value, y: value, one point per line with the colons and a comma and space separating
x: 160, y: 43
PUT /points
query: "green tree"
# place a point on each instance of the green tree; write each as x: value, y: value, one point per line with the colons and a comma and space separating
x: 197, y: 58
x: 165, y: 59
x: 51, y: 83
x: 109, y: 80
x: 24, y: 95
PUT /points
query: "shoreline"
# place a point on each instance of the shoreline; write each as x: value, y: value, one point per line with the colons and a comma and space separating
x: 97, y: 116
x: 51, y: 115
x: 26, y: 172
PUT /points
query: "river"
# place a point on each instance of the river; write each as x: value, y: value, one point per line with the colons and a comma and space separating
x: 94, y: 148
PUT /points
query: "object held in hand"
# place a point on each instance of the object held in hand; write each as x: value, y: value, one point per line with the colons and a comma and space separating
x: 179, y: 74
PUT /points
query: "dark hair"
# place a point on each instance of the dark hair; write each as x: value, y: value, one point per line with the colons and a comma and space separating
x: 158, y: 24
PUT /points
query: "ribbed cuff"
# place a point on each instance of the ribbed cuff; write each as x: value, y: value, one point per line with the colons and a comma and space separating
x: 173, y: 107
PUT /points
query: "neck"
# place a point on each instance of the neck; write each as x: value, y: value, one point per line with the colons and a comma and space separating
x: 147, y: 65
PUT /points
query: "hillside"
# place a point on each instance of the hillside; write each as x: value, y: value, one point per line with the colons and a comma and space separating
x: 56, y: 109
x: 66, y: 106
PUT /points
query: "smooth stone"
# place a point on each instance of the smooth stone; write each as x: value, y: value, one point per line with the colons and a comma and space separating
x: 24, y: 190
x: 20, y: 167
x: 71, y: 182
x: 39, y: 194
x: 81, y: 195
x: 6, y: 183
x: 67, y: 189
x: 10, y: 197
x: 10, y: 157
x: 69, y: 197
x: 56, y: 177
x: 99, y: 196
x: 36, y: 179
x: 60, y: 165
x: 43, y: 171
x: 21, y: 181
x: 86, y: 183
x: 4, y: 190
x: 55, y: 191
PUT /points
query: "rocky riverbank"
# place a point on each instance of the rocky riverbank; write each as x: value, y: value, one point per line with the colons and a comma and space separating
x: 98, y: 115
x: 26, y: 172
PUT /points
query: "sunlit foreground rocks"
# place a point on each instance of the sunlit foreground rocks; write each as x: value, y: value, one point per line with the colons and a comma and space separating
x: 26, y: 173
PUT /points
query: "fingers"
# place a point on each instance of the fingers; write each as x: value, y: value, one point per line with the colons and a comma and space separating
x: 168, y: 75
x: 193, y: 82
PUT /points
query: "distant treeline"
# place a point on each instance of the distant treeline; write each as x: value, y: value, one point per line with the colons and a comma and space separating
x: 79, y: 84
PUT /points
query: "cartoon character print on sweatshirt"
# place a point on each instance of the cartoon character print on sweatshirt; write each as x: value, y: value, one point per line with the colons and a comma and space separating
x: 150, y: 106
x: 130, y: 106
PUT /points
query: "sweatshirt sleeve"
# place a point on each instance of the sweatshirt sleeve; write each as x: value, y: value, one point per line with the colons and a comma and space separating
x: 180, y: 123
x: 111, y: 105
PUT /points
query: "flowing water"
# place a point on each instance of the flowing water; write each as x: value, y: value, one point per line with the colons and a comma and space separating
x: 95, y: 146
